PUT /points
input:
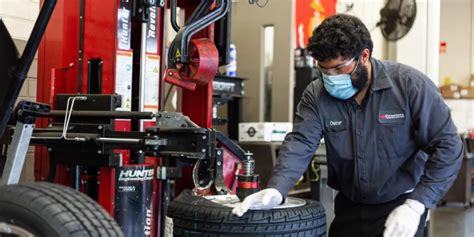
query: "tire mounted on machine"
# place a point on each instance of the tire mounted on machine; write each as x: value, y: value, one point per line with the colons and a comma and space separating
x: 197, y: 216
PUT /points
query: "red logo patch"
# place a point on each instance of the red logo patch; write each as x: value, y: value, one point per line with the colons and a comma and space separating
x: 392, y: 116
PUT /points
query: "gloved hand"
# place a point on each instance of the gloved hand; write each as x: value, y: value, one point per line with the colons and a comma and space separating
x: 264, y: 199
x: 403, y: 221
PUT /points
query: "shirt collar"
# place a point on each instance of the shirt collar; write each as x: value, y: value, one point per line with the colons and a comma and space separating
x: 380, y: 78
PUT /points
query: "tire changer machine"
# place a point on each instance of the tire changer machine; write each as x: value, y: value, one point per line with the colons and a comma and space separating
x: 99, y: 124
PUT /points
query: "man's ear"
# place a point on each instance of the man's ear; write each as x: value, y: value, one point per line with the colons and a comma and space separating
x: 365, y: 55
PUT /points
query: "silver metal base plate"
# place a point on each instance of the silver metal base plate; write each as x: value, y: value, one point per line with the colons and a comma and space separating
x: 232, y: 200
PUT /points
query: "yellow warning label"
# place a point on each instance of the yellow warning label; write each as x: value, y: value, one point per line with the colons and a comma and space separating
x: 152, y: 82
x: 178, y: 53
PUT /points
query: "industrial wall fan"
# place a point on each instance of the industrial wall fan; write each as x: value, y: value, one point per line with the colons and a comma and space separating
x: 397, y: 18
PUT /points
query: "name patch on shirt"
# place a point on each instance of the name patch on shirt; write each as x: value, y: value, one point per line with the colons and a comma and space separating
x: 334, y: 125
x: 390, y: 117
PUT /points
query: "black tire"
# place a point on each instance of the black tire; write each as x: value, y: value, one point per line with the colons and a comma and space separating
x: 196, y: 216
x: 50, y: 210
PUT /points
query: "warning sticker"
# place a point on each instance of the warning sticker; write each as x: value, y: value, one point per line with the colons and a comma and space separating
x: 152, y: 78
x: 123, y: 79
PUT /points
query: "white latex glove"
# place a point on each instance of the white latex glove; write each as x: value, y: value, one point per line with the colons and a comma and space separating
x: 264, y: 199
x: 403, y: 221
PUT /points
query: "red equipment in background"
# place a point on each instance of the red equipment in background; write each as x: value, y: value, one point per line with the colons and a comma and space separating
x: 309, y: 14
x: 79, y: 32
x: 110, y: 47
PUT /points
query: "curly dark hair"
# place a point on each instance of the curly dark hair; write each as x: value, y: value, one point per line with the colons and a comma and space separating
x: 339, y: 35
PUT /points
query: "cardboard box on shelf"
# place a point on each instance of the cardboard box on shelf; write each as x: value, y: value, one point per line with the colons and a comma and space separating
x: 467, y: 92
x: 263, y: 132
x: 451, y: 91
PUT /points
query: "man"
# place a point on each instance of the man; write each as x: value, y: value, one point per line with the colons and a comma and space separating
x: 392, y: 148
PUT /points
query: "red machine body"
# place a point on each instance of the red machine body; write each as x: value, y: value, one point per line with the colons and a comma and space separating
x: 81, y: 31
x: 66, y: 50
x: 78, y: 32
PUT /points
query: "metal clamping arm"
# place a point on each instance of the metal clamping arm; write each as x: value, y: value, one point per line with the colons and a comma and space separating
x: 26, y: 116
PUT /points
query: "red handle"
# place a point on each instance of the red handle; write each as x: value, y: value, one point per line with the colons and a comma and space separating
x: 172, y: 77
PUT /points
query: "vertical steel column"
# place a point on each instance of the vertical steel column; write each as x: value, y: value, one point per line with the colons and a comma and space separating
x: 17, y: 153
x: 142, y: 71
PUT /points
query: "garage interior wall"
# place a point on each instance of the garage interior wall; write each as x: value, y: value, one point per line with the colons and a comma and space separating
x: 457, y: 33
x: 457, y: 62
x: 248, y: 22
x: 419, y: 48
x: 19, y: 24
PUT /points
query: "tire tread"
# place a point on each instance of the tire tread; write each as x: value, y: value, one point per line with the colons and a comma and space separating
x: 200, y: 220
x: 77, y: 214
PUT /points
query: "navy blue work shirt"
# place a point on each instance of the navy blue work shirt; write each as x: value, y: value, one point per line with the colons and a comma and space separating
x: 400, y: 139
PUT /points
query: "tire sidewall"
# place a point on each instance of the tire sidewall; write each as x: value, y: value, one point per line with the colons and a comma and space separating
x: 12, y: 213
x: 197, y: 216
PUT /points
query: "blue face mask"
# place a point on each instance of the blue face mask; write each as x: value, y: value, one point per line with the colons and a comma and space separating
x: 339, y: 86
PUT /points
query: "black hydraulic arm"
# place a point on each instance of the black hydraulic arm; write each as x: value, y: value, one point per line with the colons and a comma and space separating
x: 19, y: 73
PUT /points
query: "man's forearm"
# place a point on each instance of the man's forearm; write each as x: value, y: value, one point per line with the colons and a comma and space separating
x: 293, y: 160
x: 441, y: 170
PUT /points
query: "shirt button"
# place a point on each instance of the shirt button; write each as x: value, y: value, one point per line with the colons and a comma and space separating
x: 359, y: 156
x: 359, y: 132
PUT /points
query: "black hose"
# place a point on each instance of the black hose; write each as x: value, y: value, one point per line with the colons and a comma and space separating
x: 173, y: 17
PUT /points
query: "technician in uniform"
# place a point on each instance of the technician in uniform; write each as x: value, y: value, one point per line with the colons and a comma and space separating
x: 392, y: 148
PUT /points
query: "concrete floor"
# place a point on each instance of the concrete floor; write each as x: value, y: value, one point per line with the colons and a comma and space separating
x: 446, y: 221
x: 452, y: 221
